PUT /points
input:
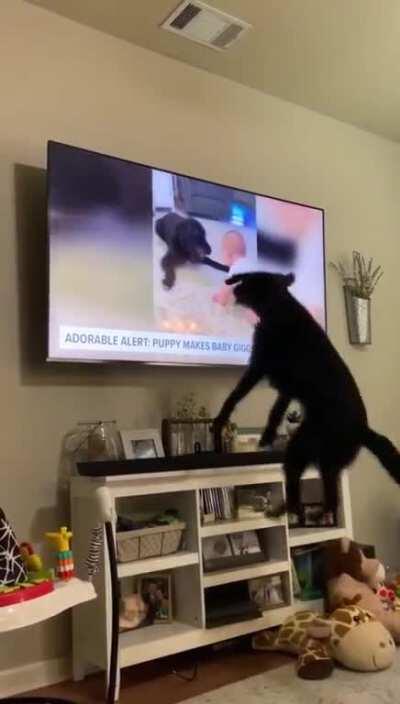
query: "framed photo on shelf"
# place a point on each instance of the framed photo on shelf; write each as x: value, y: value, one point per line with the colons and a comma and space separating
x: 315, y: 516
x: 155, y: 591
x: 182, y: 436
x: 255, y: 500
x: 267, y: 592
x: 217, y: 553
x: 141, y: 444
x: 233, y: 550
x: 247, y: 439
x: 245, y: 544
x: 312, y: 515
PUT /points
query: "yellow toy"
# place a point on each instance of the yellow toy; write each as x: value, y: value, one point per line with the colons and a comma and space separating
x: 65, y: 560
x: 61, y: 538
x: 32, y: 560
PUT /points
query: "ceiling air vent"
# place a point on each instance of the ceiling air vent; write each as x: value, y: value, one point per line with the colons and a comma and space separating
x: 205, y: 25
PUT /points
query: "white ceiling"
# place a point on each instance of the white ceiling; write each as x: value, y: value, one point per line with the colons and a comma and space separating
x: 339, y: 57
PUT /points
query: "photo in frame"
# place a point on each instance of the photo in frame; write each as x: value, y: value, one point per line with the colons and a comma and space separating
x: 155, y: 591
x: 246, y: 543
x: 141, y: 444
x: 312, y: 515
x: 224, y: 551
x: 267, y: 592
x: 248, y: 440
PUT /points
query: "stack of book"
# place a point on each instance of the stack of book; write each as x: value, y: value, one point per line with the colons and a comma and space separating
x: 218, y: 504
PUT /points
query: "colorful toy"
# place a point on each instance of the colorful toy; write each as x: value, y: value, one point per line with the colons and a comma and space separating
x: 134, y: 612
x: 16, y: 583
x: 387, y: 596
x: 33, y: 562
x: 350, y: 635
x: 25, y: 591
x: 12, y: 567
x: 352, y: 577
x: 65, y: 560
x: 93, y: 560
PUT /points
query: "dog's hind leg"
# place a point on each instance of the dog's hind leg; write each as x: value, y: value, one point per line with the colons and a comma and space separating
x: 168, y: 267
x: 330, y: 478
x: 250, y: 378
x: 276, y: 414
x: 299, y: 455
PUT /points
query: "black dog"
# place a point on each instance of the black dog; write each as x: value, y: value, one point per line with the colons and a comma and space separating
x: 186, y: 241
x: 293, y: 352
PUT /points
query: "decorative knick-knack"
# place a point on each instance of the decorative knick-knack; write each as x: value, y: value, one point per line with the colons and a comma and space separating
x: 359, y: 283
x: 12, y: 566
x: 65, y: 559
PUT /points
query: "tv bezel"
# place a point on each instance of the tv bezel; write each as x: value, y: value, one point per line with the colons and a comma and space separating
x: 123, y: 362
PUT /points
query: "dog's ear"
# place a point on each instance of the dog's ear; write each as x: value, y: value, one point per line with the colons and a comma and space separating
x: 236, y: 279
x: 289, y: 280
x: 181, y: 242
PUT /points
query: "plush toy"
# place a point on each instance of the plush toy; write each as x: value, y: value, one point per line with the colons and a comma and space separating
x: 12, y: 567
x: 353, y: 578
x: 15, y: 587
x: 350, y: 635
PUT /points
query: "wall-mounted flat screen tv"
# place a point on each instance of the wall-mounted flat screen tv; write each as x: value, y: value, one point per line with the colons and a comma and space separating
x: 138, y: 258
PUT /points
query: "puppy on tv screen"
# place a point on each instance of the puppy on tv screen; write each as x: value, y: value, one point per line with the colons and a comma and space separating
x: 138, y: 259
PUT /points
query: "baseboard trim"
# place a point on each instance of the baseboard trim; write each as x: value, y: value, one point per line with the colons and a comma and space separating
x: 34, y: 676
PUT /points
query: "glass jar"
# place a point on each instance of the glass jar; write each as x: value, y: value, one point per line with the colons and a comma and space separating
x: 94, y: 441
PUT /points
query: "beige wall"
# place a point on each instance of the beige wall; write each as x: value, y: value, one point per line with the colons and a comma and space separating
x: 62, y: 81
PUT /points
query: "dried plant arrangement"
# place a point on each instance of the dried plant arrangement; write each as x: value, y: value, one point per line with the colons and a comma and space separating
x: 362, y: 277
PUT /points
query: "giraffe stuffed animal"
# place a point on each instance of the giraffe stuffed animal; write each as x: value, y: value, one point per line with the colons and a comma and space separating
x: 350, y: 635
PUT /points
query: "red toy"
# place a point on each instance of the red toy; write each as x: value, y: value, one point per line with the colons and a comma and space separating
x: 25, y: 592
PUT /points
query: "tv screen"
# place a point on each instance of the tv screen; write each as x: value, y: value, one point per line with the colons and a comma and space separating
x: 138, y: 259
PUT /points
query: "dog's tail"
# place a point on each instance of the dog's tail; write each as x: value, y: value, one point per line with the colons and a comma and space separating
x: 159, y: 227
x: 385, y: 451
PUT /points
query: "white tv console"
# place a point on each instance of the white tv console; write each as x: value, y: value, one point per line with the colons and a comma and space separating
x: 92, y: 621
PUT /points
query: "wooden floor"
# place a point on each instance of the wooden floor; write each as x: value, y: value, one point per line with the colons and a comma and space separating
x: 155, y: 683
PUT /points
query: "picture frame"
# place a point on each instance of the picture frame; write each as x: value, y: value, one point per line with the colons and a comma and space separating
x: 233, y: 550
x: 156, y: 592
x: 247, y: 439
x: 254, y: 500
x: 217, y: 553
x: 185, y: 436
x: 267, y: 592
x: 141, y: 444
x: 245, y: 544
x: 312, y: 516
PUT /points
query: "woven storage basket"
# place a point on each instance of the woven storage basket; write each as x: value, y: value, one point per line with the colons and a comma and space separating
x: 149, y: 542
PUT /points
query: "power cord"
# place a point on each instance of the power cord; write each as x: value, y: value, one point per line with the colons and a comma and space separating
x: 187, y: 678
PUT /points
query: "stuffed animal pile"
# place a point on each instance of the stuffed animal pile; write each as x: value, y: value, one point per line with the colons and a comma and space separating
x: 361, y: 629
x: 350, y: 636
x: 352, y: 577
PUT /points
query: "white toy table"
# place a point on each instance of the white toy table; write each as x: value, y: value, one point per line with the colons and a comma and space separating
x: 27, y: 613
x: 65, y: 595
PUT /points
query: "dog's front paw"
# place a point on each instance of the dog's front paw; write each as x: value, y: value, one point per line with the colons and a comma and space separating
x: 217, y: 429
x: 267, y: 438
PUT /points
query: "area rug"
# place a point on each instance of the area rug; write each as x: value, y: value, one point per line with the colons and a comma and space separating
x: 282, y: 686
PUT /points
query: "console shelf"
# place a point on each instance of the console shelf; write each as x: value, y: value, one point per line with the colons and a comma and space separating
x: 307, y: 536
x: 180, y: 489
x: 158, y: 564
x: 223, y: 527
x: 239, y: 574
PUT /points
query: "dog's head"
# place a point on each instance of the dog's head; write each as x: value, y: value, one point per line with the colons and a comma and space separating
x: 192, y: 241
x: 255, y: 290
